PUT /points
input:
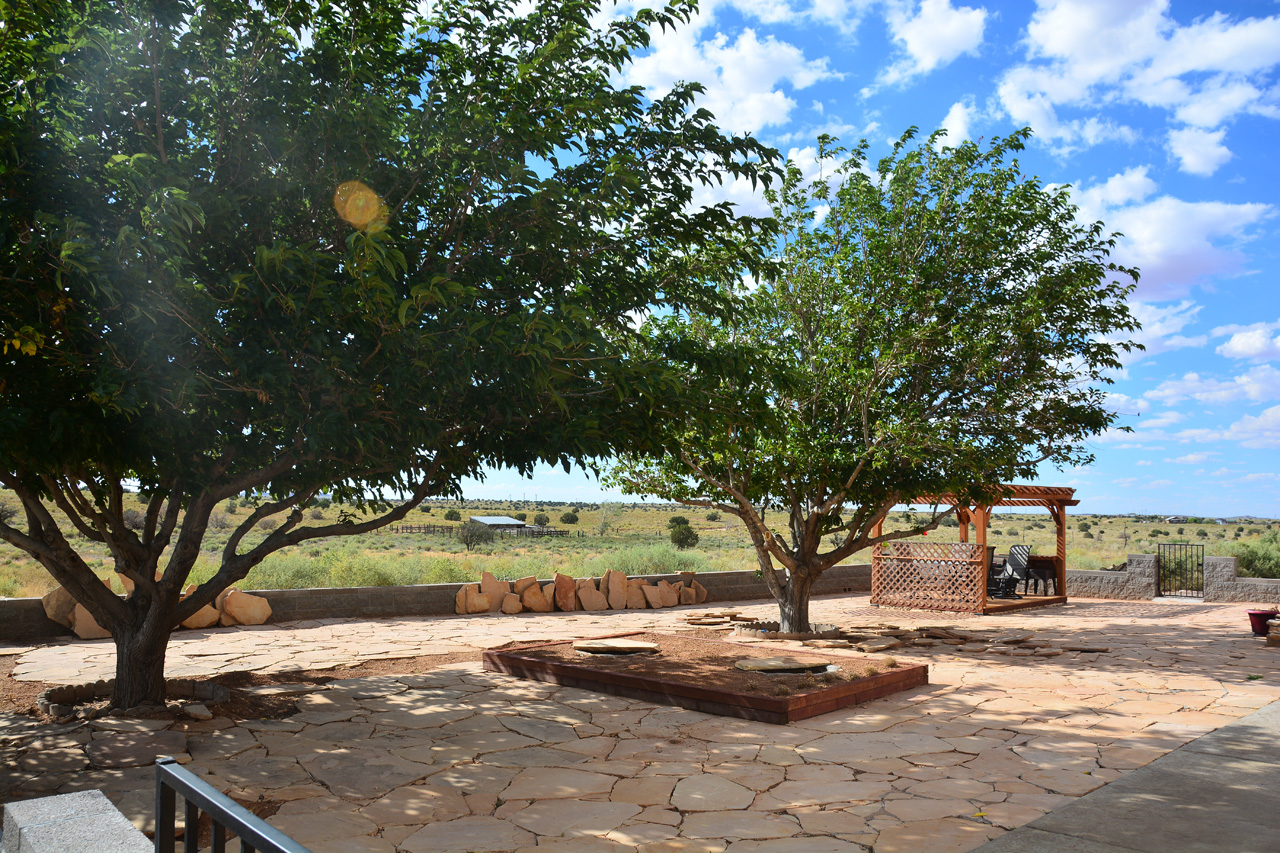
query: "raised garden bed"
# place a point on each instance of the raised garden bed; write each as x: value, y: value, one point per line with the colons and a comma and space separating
x: 700, y: 674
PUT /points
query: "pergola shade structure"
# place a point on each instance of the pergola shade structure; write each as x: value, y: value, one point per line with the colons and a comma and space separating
x: 953, y: 575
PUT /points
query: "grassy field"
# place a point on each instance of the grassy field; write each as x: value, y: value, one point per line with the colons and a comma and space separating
x: 632, y: 538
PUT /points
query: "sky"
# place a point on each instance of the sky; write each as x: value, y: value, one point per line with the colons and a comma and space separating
x: 1162, y: 117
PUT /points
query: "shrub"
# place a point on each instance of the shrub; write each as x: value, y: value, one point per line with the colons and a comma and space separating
x: 232, y: 508
x: 7, y: 513
x: 713, y: 516
x: 474, y: 533
x: 1259, y: 558
x: 1203, y: 534
x: 1088, y: 535
x: 684, y: 537
x: 267, y: 524
x: 569, y: 518
x: 542, y: 519
x: 453, y: 515
x: 1084, y: 527
x: 1180, y: 531
x: 677, y: 521
x: 317, y: 513
x: 219, y: 521
x: 521, y: 516
x: 133, y: 519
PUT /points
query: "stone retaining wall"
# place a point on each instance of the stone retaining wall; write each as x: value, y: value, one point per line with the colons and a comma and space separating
x: 23, y: 619
x: 1221, y: 584
x: 1137, y: 582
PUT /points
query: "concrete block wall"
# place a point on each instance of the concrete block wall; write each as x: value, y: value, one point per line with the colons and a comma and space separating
x: 1137, y: 582
x: 22, y: 619
x: 1221, y: 584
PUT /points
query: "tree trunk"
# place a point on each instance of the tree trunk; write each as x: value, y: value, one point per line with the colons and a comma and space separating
x: 140, y: 656
x: 794, y: 603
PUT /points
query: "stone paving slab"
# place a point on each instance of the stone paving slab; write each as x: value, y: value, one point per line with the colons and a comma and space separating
x: 458, y: 758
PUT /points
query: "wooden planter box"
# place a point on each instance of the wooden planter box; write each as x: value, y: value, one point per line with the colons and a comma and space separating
x: 709, y: 700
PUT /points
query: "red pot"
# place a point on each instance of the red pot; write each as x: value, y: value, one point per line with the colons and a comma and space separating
x: 1258, y: 621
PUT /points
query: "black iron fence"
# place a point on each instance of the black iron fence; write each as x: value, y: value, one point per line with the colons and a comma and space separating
x: 1181, y: 570
x: 254, y: 834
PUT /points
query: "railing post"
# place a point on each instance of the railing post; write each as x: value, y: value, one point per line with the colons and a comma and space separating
x: 166, y: 807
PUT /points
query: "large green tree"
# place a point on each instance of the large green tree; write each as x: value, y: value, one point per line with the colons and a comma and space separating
x: 939, y: 323
x: 284, y: 248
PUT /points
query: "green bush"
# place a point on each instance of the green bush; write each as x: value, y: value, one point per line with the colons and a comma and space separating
x: 542, y: 519
x: 677, y: 521
x: 474, y: 533
x: 453, y: 515
x: 1259, y: 558
x: 569, y: 518
x: 1084, y: 527
x: 521, y: 516
x: 684, y: 537
x: 713, y: 516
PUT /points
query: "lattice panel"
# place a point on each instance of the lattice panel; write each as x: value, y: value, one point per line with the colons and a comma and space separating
x: 929, y: 575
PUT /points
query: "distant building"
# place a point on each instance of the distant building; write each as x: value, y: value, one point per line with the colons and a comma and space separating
x: 1176, y: 519
x: 498, y: 522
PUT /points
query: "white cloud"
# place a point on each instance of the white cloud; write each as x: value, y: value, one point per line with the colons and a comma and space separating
x: 1260, y: 384
x: 1199, y: 152
x: 1125, y: 405
x: 1175, y: 244
x: 958, y: 121
x: 1158, y: 484
x: 1144, y: 462
x: 1254, y: 341
x: 934, y: 35
x: 1162, y: 327
x: 1193, y: 458
x: 1082, y: 55
x: 1162, y: 420
x: 1255, y: 431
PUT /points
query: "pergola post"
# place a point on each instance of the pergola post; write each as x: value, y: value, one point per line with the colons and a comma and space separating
x: 1059, y: 513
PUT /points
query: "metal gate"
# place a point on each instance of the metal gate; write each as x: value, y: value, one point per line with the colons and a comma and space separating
x: 1181, y: 569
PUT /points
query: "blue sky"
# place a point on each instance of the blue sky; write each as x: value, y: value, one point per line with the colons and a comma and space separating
x: 1161, y: 115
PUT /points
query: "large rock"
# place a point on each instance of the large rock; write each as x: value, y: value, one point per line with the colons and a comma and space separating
x: 592, y: 599
x: 460, y: 600
x: 518, y: 587
x: 495, y: 589
x: 614, y: 586
x: 636, y: 598
x: 58, y: 606
x: 476, y: 601
x: 85, y: 626
x: 687, y: 595
x: 511, y: 603
x: 247, y: 609
x: 205, y: 617
x: 533, y: 599
x: 667, y: 593
x: 700, y: 592
x: 586, y: 583
x: 225, y: 619
x: 566, y: 592
x: 652, y: 595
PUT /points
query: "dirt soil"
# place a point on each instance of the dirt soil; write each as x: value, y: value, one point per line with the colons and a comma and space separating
x: 705, y: 662
x: 20, y: 696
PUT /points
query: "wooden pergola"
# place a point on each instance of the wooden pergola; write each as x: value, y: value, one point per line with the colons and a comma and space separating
x: 953, y: 575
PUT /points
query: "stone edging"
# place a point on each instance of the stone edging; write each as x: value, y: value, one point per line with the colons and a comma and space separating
x: 60, y: 701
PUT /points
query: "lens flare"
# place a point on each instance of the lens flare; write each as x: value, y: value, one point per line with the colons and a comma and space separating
x: 360, y: 206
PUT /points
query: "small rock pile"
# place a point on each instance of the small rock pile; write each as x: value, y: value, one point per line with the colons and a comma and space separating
x: 882, y: 638
x: 231, y: 607
x: 193, y: 697
x: 613, y: 591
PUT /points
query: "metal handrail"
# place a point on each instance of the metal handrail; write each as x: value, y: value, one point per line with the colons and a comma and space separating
x: 255, y: 834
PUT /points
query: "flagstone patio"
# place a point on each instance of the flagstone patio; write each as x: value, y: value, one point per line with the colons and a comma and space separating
x: 460, y: 759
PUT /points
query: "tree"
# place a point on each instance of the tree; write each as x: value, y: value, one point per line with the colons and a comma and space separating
x: 452, y: 515
x: 569, y: 518
x: 944, y: 328
x: 1084, y: 527
x: 520, y: 516
x: 474, y: 533
x: 293, y: 248
x: 684, y: 537
x: 542, y: 519
x: 713, y: 516
x: 677, y: 521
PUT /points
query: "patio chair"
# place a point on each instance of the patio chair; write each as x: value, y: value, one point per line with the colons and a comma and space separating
x: 1015, y: 570
x: 1041, y: 574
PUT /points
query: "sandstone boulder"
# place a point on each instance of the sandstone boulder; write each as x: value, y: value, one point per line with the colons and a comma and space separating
x: 225, y: 619
x: 533, y: 599
x: 614, y: 585
x: 58, y: 606
x: 667, y: 594
x: 635, y: 597
x: 496, y: 590
x: 687, y: 595
x: 511, y: 603
x: 205, y: 617
x: 477, y: 602
x: 700, y: 593
x: 592, y: 599
x: 460, y: 600
x: 586, y: 583
x: 518, y: 587
x: 247, y: 609
x: 85, y: 626
x: 549, y: 593
x: 566, y: 592
x: 652, y: 595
